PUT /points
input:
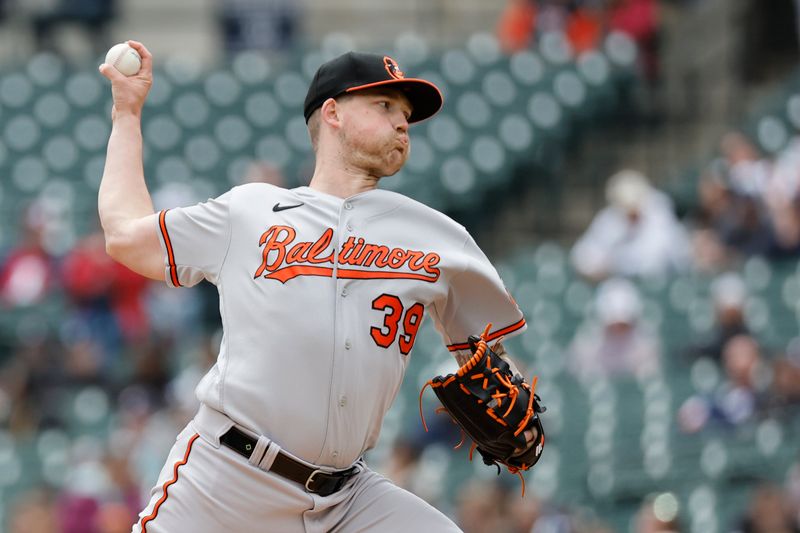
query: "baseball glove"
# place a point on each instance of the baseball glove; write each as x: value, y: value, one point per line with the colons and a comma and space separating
x: 493, y: 407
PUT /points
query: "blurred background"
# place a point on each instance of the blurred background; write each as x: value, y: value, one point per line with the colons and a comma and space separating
x: 631, y: 166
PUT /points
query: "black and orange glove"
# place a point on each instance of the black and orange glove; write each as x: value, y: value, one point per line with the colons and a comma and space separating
x: 494, y: 408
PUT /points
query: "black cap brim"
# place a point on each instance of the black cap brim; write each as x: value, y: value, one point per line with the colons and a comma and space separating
x: 426, y: 99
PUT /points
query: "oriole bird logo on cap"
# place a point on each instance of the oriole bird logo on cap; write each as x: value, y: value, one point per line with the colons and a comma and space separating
x: 393, y: 68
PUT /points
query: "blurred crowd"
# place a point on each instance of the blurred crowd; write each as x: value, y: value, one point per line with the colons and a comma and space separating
x: 748, y: 203
x: 584, y: 22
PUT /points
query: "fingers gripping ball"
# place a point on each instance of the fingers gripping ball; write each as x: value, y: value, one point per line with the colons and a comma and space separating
x: 494, y: 407
x: 124, y: 58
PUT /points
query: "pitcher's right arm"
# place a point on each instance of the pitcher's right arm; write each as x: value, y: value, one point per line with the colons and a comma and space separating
x: 129, y: 222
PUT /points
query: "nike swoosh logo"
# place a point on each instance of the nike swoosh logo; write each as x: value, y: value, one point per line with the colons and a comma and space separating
x: 278, y: 207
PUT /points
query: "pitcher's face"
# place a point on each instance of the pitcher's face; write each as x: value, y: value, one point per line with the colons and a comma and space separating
x: 374, y: 133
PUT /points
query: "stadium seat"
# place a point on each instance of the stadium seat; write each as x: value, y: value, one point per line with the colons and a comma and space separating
x: 772, y: 134
x: 484, y: 49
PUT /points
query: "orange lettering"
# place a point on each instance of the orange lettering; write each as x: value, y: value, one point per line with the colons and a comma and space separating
x: 353, y: 259
x: 370, y: 253
x: 397, y: 258
x: 413, y: 257
x: 270, y: 239
x: 279, y: 252
x: 298, y: 253
x: 430, y: 262
x: 347, y: 247
x: 322, y: 243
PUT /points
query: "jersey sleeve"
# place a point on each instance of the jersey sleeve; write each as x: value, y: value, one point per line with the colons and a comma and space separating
x: 476, y: 297
x: 195, y: 241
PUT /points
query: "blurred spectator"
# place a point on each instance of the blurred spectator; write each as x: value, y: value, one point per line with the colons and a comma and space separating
x: 481, y: 508
x: 523, y: 20
x: 534, y: 515
x: 786, y: 372
x: 617, y: 343
x: 744, y: 225
x: 786, y: 230
x: 100, y: 495
x: 782, y: 200
x: 792, y: 487
x: 716, y: 213
x: 27, y: 271
x: 585, y: 26
x: 584, y: 22
x: 741, y: 396
x: 32, y: 380
x: 260, y: 24
x: 637, y: 234
x: 709, y: 253
x: 33, y: 512
x: 552, y: 15
x: 402, y: 463
x: 525, y: 512
x: 784, y: 183
x: 639, y: 20
x: 769, y: 512
x: 516, y: 24
x: 114, y: 517
x: 748, y: 171
x: 107, y: 298
x: 748, y: 204
x: 728, y: 294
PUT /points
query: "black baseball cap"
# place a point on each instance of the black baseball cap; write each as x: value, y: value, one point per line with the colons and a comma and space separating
x: 355, y: 71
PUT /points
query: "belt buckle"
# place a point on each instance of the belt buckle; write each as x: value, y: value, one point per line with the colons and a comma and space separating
x: 311, y: 480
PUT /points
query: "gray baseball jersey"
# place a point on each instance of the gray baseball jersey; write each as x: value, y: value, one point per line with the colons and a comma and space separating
x: 321, y: 299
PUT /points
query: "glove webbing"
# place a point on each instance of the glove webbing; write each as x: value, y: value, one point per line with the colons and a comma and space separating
x: 512, y: 393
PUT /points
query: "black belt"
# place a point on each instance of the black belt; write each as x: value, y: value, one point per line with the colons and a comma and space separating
x: 316, y: 481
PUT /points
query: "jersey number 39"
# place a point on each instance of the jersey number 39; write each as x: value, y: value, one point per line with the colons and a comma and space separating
x: 411, y: 320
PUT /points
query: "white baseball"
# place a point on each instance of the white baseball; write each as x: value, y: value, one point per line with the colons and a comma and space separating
x: 124, y: 58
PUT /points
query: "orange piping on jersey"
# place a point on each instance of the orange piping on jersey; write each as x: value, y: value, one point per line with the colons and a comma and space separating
x: 169, y: 483
x: 173, y: 270
x: 492, y: 336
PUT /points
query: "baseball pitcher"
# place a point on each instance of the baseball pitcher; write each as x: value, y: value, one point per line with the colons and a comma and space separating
x: 322, y: 292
